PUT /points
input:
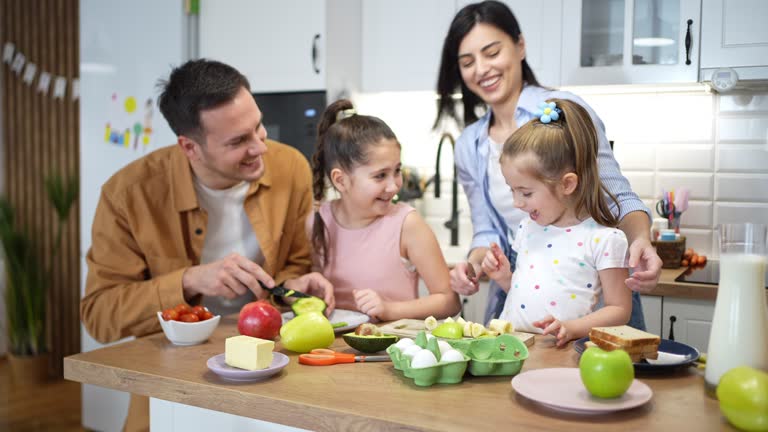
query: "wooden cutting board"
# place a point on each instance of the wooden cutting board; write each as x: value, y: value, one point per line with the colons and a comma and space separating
x: 411, y: 327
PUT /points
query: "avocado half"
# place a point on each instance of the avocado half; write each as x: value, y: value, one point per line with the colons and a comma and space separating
x: 369, y: 344
x: 308, y: 304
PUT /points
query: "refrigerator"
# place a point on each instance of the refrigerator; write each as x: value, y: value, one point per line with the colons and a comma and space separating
x: 125, y: 47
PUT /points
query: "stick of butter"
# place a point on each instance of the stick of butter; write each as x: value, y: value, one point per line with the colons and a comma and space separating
x: 248, y: 353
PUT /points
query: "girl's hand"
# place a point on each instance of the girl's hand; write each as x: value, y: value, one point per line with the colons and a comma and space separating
x: 496, y: 265
x: 370, y: 303
x: 555, y: 328
x: 461, y: 282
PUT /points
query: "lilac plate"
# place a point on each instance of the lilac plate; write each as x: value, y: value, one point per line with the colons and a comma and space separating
x: 217, y: 365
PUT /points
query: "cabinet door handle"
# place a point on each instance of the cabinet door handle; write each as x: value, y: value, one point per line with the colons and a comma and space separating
x: 463, y: 304
x: 314, y: 53
x: 672, y: 320
x: 688, y: 43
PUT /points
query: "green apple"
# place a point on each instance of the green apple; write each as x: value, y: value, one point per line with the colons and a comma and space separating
x: 606, y: 374
x: 743, y: 396
x: 306, y: 332
x: 449, y: 330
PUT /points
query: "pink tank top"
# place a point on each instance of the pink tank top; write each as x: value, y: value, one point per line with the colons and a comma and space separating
x: 369, y: 258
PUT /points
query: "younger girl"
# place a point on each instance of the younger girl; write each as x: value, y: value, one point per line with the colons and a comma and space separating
x: 569, y: 251
x: 371, y: 250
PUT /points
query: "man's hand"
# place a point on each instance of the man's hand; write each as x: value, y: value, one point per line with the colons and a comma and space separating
x: 370, y: 303
x: 461, y: 282
x: 317, y: 285
x: 645, y: 265
x: 228, y: 277
x: 555, y: 328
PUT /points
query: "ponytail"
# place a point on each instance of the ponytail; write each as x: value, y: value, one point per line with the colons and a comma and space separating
x: 320, y: 169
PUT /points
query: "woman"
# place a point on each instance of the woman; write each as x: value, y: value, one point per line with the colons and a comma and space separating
x: 484, y: 56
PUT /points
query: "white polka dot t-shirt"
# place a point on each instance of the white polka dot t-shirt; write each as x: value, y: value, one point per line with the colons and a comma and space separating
x: 557, y: 271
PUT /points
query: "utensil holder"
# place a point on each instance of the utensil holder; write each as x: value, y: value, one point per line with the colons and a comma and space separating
x: 670, y: 251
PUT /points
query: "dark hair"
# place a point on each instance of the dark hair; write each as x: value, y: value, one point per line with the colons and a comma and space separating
x: 344, y: 140
x: 567, y: 145
x: 449, y: 79
x: 195, y: 86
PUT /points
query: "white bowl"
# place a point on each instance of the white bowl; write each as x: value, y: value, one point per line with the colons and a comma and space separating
x: 184, y: 333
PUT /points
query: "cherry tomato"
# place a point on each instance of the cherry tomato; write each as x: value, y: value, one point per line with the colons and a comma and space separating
x: 170, y: 315
x: 205, y: 316
x: 183, y: 309
x: 198, y: 310
x: 189, y: 317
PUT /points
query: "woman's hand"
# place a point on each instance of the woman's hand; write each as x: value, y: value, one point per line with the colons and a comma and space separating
x: 317, y: 285
x: 461, y: 282
x: 556, y: 328
x: 496, y: 265
x: 646, y: 266
x: 370, y: 303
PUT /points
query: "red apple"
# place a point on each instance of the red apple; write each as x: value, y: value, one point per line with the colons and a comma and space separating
x: 259, y: 319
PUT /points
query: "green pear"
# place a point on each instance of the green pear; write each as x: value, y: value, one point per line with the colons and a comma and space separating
x: 306, y: 332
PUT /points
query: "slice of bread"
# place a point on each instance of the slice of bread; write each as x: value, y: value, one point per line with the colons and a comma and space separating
x: 624, y: 336
x: 636, y: 357
x: 610, y: 346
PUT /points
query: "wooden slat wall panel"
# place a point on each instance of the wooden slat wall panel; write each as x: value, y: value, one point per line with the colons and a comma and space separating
x: 41, y: 136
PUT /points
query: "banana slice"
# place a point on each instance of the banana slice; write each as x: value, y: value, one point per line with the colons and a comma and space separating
x: 491, y: 332
x: 449, y: 319
x: 430, y: 323
x: 477, y: 330
x: 460, y: 320
x: 501, y: 326
x: 468, y: 329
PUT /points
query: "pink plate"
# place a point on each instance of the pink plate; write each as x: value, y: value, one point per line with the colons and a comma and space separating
x: 562, y: 389
x: 217, y: 365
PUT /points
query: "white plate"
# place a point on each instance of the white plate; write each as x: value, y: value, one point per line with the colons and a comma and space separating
x: 352, y: 318
x: 562, y: 389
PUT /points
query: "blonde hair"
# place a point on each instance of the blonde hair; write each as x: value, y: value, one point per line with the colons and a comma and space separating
x: 567, y: 145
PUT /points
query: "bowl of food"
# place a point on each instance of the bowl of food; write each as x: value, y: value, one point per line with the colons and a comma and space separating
x: 185, y: 325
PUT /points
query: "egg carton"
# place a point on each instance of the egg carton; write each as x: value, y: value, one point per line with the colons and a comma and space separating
x: 441, y: 373
x: 501, y: 355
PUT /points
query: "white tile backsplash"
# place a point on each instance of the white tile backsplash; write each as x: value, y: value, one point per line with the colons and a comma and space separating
x: 752, y: 158
x: 683, y: 157
x: 741, y: 187
x: 744, y: 129
x: 715, y: 145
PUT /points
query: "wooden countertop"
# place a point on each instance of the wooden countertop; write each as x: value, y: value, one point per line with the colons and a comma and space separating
x: 373, y: 396
x: 669, y: 287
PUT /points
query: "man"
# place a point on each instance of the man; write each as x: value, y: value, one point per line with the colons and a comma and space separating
x: 201, y: 221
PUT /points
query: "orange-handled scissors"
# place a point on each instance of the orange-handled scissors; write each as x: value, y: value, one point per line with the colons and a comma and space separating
x: 324, y: 357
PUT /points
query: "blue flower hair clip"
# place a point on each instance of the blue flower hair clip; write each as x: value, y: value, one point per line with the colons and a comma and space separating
x: 548, y: 112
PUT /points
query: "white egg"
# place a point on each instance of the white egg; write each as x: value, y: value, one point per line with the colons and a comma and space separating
x: 411, y: 350
x: 423, y: 359
x: 451, y: 356
x: 404, y: 343
x: 444, y: 346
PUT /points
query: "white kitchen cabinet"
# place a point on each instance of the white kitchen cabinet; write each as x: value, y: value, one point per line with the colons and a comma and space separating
x: 652, y: 313
x: 689, y: 319
x: 630, y: 41
x: 540, y: 25
x: 735, y: 36
x: 279, y: 46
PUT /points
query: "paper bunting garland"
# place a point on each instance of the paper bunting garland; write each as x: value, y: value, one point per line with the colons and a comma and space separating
x: 22, y: 66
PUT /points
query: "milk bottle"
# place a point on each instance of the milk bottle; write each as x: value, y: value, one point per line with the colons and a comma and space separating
x: 739, y: 335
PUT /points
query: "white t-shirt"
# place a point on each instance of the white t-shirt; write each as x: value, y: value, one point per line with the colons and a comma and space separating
x: 557, y: 271
x: 498, y: 189
x: 228, y: 231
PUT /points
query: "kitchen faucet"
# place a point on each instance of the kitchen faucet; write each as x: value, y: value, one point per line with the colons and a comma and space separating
x: 453, y: 222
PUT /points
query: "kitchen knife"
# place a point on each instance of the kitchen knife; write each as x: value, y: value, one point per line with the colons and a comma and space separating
x: 282, y: 291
